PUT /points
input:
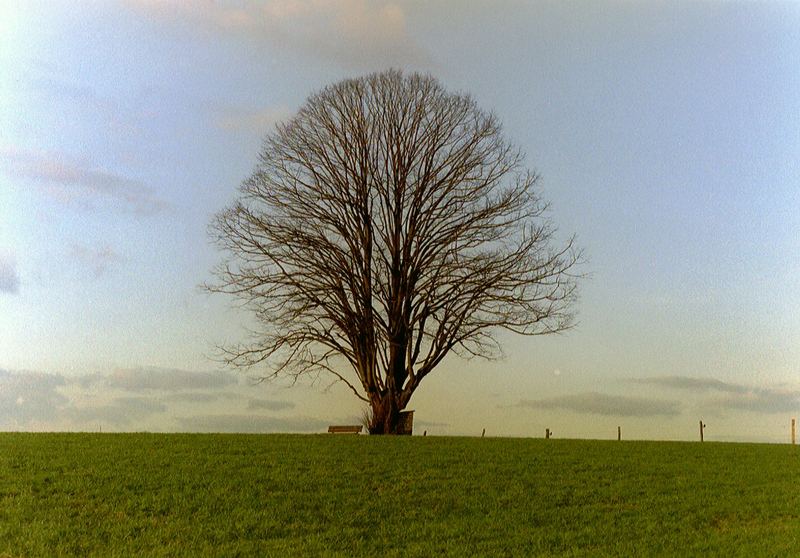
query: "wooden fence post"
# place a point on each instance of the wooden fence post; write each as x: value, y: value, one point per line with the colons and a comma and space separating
x: 793, y: 436
x: 483, y: 433
x: 619, y: 433
x: 702, y: 426
x: 547, y: 433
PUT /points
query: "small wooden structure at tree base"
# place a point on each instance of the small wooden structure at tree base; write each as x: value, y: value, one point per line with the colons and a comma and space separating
x: 405, y: 424
x: 354, y: 429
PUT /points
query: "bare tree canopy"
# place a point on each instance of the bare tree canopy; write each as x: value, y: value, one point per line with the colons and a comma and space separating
x: 386, y: 225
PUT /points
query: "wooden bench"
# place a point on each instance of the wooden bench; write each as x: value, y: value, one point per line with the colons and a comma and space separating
x: 355, y: 429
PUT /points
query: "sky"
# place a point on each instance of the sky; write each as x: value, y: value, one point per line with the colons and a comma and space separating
x: 667, y: 136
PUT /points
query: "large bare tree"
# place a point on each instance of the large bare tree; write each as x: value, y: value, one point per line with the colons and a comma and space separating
x: 387, y: 225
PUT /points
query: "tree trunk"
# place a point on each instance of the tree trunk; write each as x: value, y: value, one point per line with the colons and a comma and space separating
x: 385, y: 414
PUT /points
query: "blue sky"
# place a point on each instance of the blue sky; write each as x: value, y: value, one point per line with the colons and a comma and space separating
x: 667, y: 135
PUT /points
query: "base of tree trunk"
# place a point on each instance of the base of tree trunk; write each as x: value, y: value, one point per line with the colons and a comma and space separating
x: 384, y: 417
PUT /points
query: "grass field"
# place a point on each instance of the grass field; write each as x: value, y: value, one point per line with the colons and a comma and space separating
x: 281, y: 495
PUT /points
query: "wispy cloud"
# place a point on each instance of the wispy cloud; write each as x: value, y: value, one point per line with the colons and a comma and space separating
x: 9, y: 279
x: 761, y: 401
x: 261, y: 121
x: 690, y: 383
x: 731, y: 396
x: 165, y: 379
x: 250, y: 424
x: 609, y: 405
x: 29, y: 397
x: 122, y: 411
x: 132, y: 399
x: 110, y: 114
x: 269, y: 405
x: 96, y: 260
x: 72, y: 182
x: 425, y: 424
x: 200, y: 396
x: 355, y: 34
x: 36, y: 400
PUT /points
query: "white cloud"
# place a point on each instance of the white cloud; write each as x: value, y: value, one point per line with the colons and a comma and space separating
x: 355, y: 34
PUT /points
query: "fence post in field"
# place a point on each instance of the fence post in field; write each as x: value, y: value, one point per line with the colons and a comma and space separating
x: 793, y: 436
x: 483, y: 433
x: 702, y: 427
x: 547, y: 433
x: 619, y: 433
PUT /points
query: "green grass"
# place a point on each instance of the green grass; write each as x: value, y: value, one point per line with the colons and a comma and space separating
x: 283, y: 495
